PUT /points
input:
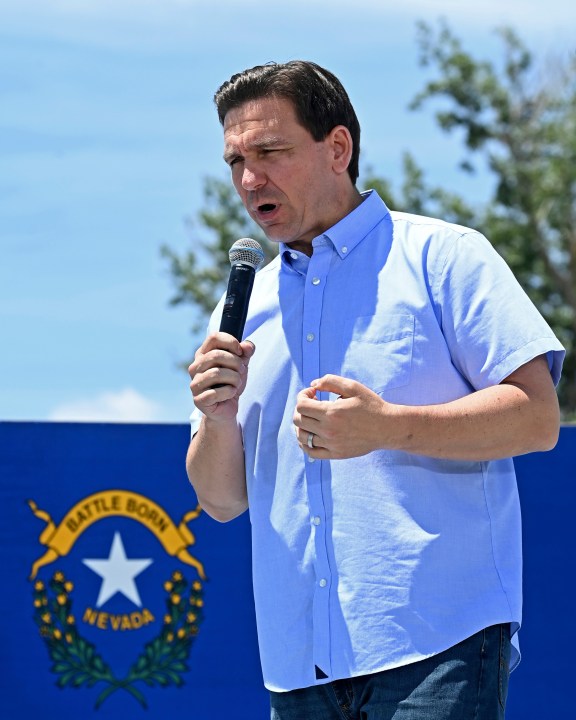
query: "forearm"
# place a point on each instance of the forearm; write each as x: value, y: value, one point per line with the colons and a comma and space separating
x: 215, y: 466
x: 518, y: 416
x: 215, y: 460
x: 500, y: 421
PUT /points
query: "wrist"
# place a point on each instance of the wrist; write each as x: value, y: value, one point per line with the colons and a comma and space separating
x: 219, y: 423
x: 401, y: 423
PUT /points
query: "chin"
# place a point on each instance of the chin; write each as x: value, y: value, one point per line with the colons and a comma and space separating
x: 275, y: 237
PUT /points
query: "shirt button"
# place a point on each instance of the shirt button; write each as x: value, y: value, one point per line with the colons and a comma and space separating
x: 323, y: 582
x: 316, y: 281
x: 344, y: 249
x: 311, y: 459
x: 310, y: 337
x: 294, y: 256
x: 316, y: 520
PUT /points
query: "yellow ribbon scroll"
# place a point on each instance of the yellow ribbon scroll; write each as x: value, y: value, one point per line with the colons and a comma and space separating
x: 59, y: 539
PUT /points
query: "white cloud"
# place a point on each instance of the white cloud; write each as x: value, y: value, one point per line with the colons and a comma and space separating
x: 125, y: 405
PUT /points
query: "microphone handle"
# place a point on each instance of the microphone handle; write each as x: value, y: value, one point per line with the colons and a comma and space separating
x: 237, y: 298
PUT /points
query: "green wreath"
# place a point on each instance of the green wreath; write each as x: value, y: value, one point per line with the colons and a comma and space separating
x: 76, y: 661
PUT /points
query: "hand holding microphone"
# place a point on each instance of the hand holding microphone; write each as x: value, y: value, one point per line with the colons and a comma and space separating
x: 219, y: 363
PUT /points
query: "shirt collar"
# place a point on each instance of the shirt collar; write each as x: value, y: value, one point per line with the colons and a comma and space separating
x: 349, y: 231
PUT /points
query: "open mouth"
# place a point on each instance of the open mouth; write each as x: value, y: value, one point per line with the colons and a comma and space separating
x: 266, y: 208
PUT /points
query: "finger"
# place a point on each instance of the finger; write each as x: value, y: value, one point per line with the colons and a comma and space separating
x: 213, y: 380
x: 306, y: 398
x: 309, y: 441
x: 213, y: 397
x: 307, y: 410
x: 219, y: 340
x: 335, y: 384
x: 217, y: 358
x: 303, y: 427
x: 308, y: 407
x: 308, y: 393
x: 310, y: 426
x: 248, y: 349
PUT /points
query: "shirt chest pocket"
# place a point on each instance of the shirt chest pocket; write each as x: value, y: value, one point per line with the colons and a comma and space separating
x: 379, y: 354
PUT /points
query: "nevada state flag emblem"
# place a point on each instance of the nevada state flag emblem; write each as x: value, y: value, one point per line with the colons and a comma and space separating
x: 114, y: 574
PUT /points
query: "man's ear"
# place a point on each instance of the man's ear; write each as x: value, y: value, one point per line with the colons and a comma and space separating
x: 341, y: 145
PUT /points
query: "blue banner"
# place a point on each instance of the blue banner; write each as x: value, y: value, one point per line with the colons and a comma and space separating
x: 121, y: 599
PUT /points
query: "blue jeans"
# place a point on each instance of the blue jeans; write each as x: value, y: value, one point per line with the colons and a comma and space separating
x: 467, y: 682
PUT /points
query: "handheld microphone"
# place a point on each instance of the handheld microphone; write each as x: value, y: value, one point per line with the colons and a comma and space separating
x: 246, y: 256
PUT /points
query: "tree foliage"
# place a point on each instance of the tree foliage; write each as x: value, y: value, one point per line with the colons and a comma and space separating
x: 200, y: 275
x: 514, y: 118
x: 522, y: 123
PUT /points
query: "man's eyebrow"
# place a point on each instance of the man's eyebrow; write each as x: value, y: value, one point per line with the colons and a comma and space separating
x: 268, y: 141
x: 261, y: 143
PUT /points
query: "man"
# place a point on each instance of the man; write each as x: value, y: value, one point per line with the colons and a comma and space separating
x: 392, y: 368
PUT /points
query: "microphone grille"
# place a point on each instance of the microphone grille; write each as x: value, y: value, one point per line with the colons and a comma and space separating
x: 246, y: 251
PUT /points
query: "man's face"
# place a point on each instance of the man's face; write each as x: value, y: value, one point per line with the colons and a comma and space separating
x: 283, y: 176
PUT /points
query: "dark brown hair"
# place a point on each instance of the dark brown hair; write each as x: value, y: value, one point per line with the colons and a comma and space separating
x: 319, y: 98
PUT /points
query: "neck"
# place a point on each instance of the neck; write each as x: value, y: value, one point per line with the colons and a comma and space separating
x: 346, y: 204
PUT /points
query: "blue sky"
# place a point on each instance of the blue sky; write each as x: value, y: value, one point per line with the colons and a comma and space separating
x: 107, y: 130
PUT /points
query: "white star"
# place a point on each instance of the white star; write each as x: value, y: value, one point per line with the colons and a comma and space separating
x: 118, y: 573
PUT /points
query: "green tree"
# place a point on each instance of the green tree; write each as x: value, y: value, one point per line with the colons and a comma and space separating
x: 523, y: 129
x: 521, y: 121
x: 417, y: 196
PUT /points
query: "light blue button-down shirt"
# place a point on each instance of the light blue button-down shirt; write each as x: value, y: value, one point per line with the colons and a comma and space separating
x: 374, y: 562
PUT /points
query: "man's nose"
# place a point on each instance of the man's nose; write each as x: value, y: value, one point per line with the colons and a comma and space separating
x: 252, y: 178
